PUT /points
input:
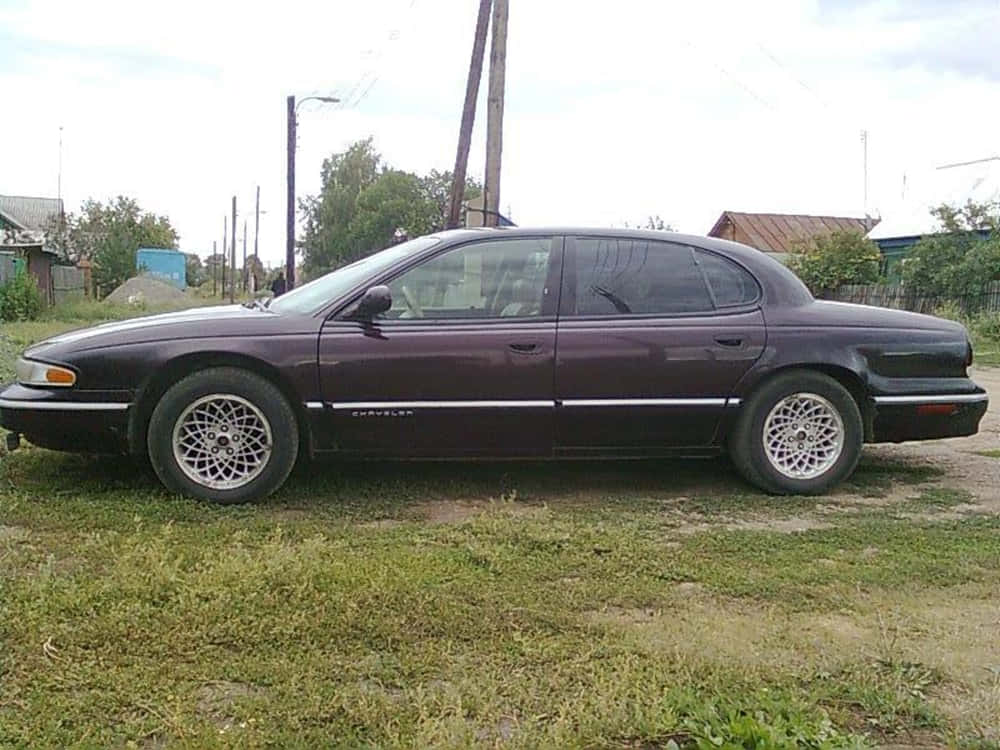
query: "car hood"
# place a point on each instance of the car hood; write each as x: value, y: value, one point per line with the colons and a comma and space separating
x: 200, y: 322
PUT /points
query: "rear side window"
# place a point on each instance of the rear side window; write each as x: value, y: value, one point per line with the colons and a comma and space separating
x: 731, y: 285
x: 636, y: 277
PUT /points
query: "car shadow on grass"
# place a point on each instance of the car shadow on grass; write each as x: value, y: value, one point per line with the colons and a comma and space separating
x: 354, y: 492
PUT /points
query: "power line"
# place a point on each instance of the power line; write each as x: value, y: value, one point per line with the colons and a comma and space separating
x: 371, y: 76
x: 791, y: 75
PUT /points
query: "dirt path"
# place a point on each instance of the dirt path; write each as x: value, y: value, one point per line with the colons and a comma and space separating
x: 964, y: 468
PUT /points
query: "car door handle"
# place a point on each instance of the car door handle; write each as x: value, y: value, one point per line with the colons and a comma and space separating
x: 525, y: 348
x: 729, y: 340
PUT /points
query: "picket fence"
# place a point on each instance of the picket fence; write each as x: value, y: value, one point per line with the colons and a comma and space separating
x: 897, y: 296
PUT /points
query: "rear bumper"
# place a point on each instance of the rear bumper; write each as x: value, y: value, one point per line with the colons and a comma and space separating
x: 927, y: 416
x: 74, y: 421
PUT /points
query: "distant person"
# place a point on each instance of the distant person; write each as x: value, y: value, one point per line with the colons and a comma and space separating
x: 279, y: 286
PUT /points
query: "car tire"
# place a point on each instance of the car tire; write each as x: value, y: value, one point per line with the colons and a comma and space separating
x: 223, y: 434
x: 799, y: 433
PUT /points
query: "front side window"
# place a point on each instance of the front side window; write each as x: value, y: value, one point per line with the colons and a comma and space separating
x: 636, y: 277
x: 490, y: 279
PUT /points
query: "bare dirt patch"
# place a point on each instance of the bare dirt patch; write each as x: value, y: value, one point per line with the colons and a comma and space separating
x: 217, y: 700
x: 13, y: 533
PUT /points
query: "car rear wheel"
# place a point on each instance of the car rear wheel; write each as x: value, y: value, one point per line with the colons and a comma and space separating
x: 224, y: 435
x: 799, y: 433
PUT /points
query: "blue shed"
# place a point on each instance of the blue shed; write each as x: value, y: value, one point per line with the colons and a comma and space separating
x: 165, y: 265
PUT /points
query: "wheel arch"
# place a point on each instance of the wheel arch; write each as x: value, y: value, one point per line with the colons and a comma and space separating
x: 173, y: 370
x: 847, y: 377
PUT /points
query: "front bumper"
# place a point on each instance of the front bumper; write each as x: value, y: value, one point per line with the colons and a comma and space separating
x: 69, y: 420
x: 927, y: 417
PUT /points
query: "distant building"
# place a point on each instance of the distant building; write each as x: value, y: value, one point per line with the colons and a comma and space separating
x: 908, y: 219
x: 23, y: 221
x: 169, y: 266
x: 777, y: 234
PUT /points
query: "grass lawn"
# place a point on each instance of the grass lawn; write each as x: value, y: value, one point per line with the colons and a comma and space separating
x: 645, y: 605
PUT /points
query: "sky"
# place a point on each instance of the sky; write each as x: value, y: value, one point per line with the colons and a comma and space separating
x: 614, y: 111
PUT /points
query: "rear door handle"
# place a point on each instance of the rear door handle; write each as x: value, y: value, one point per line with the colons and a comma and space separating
x: 524, y: 348
x: 729, y: 340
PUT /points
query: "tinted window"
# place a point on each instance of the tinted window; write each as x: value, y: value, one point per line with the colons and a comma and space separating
x: 494, y: 279
x: 637, y: 277
x: 312, y: 296
x: 731, y: 285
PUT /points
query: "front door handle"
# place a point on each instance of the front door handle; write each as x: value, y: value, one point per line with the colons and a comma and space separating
x: 524, y: 348
x: 729, y: 340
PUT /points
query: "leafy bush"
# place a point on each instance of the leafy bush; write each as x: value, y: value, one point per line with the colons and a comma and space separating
x: 828, y: 261
x: 986, y: 326
x: 962, y: 259
x: 950, y: 310
x: 20, y: 298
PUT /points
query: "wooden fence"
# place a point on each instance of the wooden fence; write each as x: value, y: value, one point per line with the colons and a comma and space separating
x: 67, y: 284
x: 894, y: 295
x: 6, y: 268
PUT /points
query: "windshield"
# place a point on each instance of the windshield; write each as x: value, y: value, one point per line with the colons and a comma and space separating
x: 312, y: 296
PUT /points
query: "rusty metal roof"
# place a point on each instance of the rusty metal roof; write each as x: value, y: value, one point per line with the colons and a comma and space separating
x: 778, y: 233
x: 29, y: 212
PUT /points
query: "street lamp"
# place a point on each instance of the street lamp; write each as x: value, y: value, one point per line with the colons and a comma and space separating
x: 293, y: 109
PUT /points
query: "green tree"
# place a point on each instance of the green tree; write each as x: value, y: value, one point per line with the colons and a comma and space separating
x: 828, y: 261
x: 109, y: 235
x: 961, y: 259
x: 194, y: 271
x: 655, y: 223
x: 364, y: 205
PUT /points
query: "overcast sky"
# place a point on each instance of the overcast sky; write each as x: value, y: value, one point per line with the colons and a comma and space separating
x: 614, y: 110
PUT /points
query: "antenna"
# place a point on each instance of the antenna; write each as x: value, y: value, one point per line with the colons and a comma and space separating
x: 864, y: 151
x: 59, y: 174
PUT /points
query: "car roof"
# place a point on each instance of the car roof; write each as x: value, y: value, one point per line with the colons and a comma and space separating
x: 780, y: 285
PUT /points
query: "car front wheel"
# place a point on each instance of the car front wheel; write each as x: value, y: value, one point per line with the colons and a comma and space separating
x: 799, y: 433
x: 223, y: 434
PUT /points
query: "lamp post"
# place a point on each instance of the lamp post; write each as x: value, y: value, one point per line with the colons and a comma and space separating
x: 293, y: 109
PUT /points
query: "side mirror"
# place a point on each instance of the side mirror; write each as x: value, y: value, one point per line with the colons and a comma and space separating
x: 376, y: 300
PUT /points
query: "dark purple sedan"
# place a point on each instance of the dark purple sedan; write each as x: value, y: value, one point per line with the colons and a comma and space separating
x: 512, y: 343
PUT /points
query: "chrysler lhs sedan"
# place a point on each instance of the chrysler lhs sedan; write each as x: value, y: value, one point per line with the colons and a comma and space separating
x: 510, y: 343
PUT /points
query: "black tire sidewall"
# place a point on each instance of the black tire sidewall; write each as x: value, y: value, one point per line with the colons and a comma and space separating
x: 760, y: 405
x: 224, y: 380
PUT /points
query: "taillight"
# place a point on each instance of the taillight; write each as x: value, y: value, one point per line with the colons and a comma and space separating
x: 968, y: 353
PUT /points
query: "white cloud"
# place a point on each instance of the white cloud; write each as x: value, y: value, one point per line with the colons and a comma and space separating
x: 614, y: 110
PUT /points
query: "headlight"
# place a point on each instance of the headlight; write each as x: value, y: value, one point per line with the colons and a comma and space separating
x: 29, y: 372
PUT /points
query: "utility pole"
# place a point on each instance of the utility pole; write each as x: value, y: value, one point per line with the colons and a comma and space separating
x: 256, y: 224
x: 215, y: 267
x: 468, y: 115
x: 232, y: 258
x: 59, y: 175
x: 244, y: 255
x: 225, y: 244
x: 864, y: 150
x: 290, y: 218
x: 494, y: 113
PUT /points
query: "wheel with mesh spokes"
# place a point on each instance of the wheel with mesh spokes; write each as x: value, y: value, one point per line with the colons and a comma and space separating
x: 223, y: 434
x: 799, y: 433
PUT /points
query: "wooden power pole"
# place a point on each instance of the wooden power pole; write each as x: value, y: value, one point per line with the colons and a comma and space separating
x: 232, y: 257
x: 494, y: 113
x: 215, y: 268
x: 290, y: 198
x: 468, y: 115
x: 225, y: 244
x: 244, y: 274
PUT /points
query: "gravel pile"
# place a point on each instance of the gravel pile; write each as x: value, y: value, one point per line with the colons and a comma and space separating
x: 146, y: 290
